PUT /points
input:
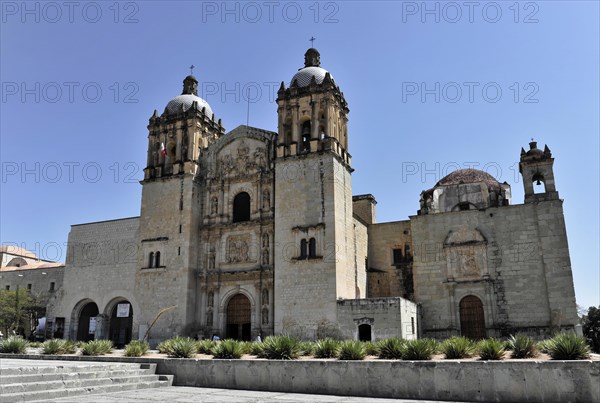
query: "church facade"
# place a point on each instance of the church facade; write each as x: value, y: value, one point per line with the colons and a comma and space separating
x: 253, y: 232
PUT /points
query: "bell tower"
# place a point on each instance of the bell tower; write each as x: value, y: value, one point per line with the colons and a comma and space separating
x: 313, y: 199
x: 536, y: 167
x: 170, y: 216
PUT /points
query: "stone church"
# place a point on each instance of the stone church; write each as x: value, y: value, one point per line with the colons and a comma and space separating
x: 253, y: 232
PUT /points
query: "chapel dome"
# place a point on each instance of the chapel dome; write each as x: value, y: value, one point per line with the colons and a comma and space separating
x: 312, y: 67
x: 183, y: 102
x: 189, y: 95
x: 469, y: 175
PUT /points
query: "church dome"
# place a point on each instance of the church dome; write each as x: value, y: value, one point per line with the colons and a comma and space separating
x: 312, y: 68
x: 469, y: 175
x: 181, y: 103
x: 189, y: 95
x: 305, y: 75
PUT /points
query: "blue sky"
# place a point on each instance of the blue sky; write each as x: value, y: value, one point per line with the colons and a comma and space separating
x: 431, y: 86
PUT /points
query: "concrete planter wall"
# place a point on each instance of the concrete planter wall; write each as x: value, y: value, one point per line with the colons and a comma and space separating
x: 505, y: 381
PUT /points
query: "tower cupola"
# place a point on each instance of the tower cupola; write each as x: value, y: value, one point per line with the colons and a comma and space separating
x: 312, y: 112
x: 536, y: 167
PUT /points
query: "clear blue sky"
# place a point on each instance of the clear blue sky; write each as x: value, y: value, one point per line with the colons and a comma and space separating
x: 431, y: 87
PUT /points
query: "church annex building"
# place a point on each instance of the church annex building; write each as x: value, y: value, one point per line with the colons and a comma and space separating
x: 253, y: 232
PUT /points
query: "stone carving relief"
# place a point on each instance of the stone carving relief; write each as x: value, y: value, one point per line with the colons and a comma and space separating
x: 238, y: 249
x: 214, y: 205
x: 266, y: 199
x: 244, y: 162
x: 265, y: 316
x: 466, y: 254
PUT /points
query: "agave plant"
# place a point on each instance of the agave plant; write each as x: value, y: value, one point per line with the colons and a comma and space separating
x: 391, y: 349
x: 327, y: 348
x: 420, y: 349
x: 136, y: 348
x: 522, y: 346
x: 182, y: 347
x: 568, y: 346
x: 280, y: 348
x: 352, y: 350
x: 491, y: 349
x: 58, y: 346
x: 228, y: 349
x: 13, y: 345
x: 457, y: 347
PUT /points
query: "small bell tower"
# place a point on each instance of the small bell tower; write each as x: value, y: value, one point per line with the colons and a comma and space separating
x: 312, y: 113
x: 536, y: 168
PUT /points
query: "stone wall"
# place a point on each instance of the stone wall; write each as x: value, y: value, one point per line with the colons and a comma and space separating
x: 464, y: 381
x: 385, y: 278
x: 313, y: 200
x: 100, y: 268
x: 387, y: 317
x: 40, y: 279
x: 514, y: 259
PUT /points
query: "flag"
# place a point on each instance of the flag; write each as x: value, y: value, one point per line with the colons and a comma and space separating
x: 163, y: 150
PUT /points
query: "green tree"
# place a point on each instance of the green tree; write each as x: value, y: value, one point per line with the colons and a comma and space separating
x: 591, y: 328
x: 19, y: 311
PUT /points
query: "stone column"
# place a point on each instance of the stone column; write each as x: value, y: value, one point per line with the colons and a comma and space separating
x: 314, y: 120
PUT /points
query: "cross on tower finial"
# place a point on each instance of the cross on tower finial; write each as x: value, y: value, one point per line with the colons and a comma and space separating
x: 532, y: 139
x: 192, y: 69
x: 312, y: 41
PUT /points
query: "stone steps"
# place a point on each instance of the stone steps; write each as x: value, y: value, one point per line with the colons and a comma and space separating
x: 43, y: 383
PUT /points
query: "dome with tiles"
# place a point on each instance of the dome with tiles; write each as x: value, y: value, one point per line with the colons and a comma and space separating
x: 312, y: 68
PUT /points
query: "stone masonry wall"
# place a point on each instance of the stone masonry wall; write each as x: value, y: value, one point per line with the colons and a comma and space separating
x: 100, y: 268
x: 525, y: 281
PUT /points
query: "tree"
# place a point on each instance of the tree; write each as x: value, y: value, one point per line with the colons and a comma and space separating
x: 19, y: 311
x: 591, y: 328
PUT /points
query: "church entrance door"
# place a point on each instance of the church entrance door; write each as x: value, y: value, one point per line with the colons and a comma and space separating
x: 239, y: 318
x: 364, y: 332
x: 472, y: 319
x: 86, y: 325
x: 121, y: 323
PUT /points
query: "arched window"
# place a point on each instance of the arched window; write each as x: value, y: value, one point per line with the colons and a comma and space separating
x: 539, y: 184
x: 241, y: 207
x: 151, y: 260
x: 303, y: 249
x: 305, y: 134
x: 157, y: 259
x: 312, y: 247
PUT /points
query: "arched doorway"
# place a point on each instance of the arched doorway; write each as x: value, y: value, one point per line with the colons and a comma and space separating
x: 86, y: 324
x: 472, y: 319
x: 364, y: 332
x: 121, y: 323
x: 239, y: 318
